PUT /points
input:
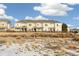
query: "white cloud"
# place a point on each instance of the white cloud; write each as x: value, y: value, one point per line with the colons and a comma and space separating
x: 76, y: 18
x: 53, y: 9
x: 3, y: 15
x: 6, y: 17
x: 77, y: 28
x: 2, y: 9
x: 72, y: 4
x: 69, y: 25
x: 36, y: 18
x: 28, y: 17
x: 16, y: 19
x: 40, y: 17
x: 2, y: 6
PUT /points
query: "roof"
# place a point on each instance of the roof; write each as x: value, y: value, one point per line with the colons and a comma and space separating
x: 35, y: 21
x: 5, y: 20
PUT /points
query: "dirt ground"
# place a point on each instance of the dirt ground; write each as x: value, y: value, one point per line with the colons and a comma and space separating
x: 20, y: 37
x: 50, y: 41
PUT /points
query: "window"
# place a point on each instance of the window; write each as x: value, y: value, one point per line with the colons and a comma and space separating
x: 30, y: 24
x: 57, y: 24
x: 17, y: 24
x: 2, y: 24
x: 37, y: 24
x: 46, y: 24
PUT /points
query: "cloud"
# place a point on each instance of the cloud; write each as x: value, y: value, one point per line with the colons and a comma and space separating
x: 2, y: 9
x: 2, y: 6
x: 40, y: 17
x: 76, y: 18
x: 69, y: 25
x: 3, y: 14
x: 36, y: 18
x: 16, y: 19
x: 53, y: 9
x: 77, y: 28
x: 28, y: 17
x: 6, y: 17
x: 72, y: 4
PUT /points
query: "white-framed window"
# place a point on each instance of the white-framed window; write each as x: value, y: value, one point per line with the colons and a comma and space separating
x: 46, y: 24
x: 57, y: 24
x: 30, y: 24
x: 3, y: 24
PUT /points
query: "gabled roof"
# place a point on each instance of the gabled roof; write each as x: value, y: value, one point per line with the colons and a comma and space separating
x: 35, y: 21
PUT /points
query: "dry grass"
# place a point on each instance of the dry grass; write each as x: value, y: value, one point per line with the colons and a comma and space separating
x: 37, y: 34
x: 20, y: 37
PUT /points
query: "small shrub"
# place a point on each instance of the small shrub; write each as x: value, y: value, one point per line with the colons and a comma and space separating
x: 75, y: 31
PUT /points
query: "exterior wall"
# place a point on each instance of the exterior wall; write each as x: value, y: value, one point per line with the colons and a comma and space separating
x: 4, y: 26
x: 30, y: 26
x: 46, y: 26
x: 68, y: 29
x: 8, y: 26
x: 39, y: 26
x: 58, y: 27
x: 20, y: 25
x: 52, y: 28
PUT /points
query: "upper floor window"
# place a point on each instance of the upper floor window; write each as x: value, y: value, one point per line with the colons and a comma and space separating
x: 2, y: 24
x: 16, y: 24
x: 46, y: 24
x: 57, y: 24
x: 30, y: 24
x: 38, y: 24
